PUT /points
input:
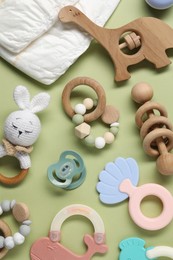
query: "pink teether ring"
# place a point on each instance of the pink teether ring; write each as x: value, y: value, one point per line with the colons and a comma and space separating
x: 118, y: 181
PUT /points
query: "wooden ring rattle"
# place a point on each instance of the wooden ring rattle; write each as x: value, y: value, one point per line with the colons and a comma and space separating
x: 95, y: 244
x: 21, y: 214
x: 118, y: 181
x: 13, y: 180
x: 156, y: 131
x: 92, y: 84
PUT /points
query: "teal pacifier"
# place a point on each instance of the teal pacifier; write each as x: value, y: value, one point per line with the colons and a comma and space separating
x: 69, y: 172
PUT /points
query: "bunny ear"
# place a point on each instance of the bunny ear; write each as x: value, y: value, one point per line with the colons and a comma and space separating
x: 39, y: 102
x: 22, y: 97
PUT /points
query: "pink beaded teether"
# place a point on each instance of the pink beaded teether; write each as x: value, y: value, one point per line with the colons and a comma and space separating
x: 155, y: 131
x: 118, y: 181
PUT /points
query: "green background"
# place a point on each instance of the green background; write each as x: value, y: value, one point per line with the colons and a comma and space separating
x: 43, y: 199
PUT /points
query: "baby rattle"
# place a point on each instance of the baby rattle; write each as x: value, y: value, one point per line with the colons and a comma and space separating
x: 69, y: 172
x: 133, y: 248
x: 152, y: 35
x: 21, y: 130
x: 155, y: 131
x: 21, y: 214
x: 86, y: 112
x: 118, y: 181
x: 160, y: 4
x: 95, y: 244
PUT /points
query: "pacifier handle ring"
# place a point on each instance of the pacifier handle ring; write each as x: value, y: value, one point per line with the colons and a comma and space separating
x: 160, y: 251
x: 13, y: 180
x: 135, y: 211
x: 98, y: 111
x: 76, y: 156
x: 4, y: 227
x: 78, y: 209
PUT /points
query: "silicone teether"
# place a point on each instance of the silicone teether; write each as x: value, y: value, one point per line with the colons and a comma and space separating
x: 62, y: 173
x: 41, y: 248
x: 160, y: 4
x: 118, y: 181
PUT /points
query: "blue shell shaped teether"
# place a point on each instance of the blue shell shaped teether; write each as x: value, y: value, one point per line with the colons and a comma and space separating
x: 113, y: 175
x: 133, y: 249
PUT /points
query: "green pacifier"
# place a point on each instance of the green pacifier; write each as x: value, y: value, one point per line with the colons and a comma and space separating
x: 69, y: 172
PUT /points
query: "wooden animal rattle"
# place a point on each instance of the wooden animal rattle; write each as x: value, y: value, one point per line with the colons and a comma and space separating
x: 86, y: 112
x: 21, y: 214
x: 156, y: 131
x: 160, y: 4
x: 21, y: 130
x: 155, y: 37
x: 50, y: 247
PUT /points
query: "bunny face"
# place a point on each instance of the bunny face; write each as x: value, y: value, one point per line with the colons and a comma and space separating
x: 22, y: 128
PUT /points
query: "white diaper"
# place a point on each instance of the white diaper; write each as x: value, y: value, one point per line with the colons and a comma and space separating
x: 36, y: 42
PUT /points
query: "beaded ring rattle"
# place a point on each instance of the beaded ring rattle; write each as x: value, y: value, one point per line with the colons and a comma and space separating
x: 133, y: 248
x: 108, y: 114
x: 118, y: 181
x: 155, y: 131
x: 95, y: 243
x: 21, y: 214
x: 21, y: 130
x: 62, y: 173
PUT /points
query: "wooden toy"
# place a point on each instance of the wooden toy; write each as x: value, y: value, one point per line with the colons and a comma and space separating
x: 160, y: 4
x: 118, y: 181
x: 69, y: 172
x: 155, y: 37
x: 133, y: 248
x: 95, y: 244
x: 87, y: 112
x: 156, y: 131
x: 21, y: 130
x: 21, y: 214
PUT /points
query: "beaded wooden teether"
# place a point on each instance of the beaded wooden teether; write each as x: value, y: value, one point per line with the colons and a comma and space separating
x: 21, y: 214
x: 156, y: 131
x: 108, y: 114
x: 155, y: 37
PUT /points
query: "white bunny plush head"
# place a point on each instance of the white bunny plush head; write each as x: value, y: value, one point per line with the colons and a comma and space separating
x: 22, y: 127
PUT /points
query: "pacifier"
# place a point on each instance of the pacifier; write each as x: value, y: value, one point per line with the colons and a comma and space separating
x: 118, y: 181
x: 63, y: 173
x: 51, y: 248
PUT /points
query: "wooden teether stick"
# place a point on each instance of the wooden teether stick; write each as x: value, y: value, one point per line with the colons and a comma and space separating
x: 156, y: 131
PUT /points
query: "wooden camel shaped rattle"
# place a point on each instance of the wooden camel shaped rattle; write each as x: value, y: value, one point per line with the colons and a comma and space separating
x: 151, y: 34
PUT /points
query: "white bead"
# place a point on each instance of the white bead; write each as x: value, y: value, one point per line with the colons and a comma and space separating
x: 109, y: 137
x: 100, y: 142
x: 9, y: 242
x: 13, y: 202
x: 6, y: 205
x: 115, y: 124
x: 1, y: 211
x: 24, y: 230
x: 80, y: 109
x: 18, y: 238
x: 27, y: 222
x: 1, y: 241
x: 88, y: 103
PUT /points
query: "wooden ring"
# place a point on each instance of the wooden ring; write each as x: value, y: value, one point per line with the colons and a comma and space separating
x: 153, y: 135
x: 154, y: 121
x: 14, y: 180
x: 98, y: 111
x: 5, y: 229
x: 149, y: 106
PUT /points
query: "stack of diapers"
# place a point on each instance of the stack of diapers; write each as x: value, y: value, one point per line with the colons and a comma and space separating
x: 34, y: 40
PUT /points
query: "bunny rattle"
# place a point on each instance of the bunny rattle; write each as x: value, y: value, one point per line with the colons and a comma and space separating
x: 21, y: 130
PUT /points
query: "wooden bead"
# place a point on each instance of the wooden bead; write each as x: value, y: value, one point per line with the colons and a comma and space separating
x: 20, y: 212
x: 109, y: 137
x: 110, y: 115
x: 164, y: 164
x: 82, y: 130
x: 88, y: 103
x: 5, y: 231
x: 141, y: 93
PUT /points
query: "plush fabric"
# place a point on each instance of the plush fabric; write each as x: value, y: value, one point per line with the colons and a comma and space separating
x: 49, y: 56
